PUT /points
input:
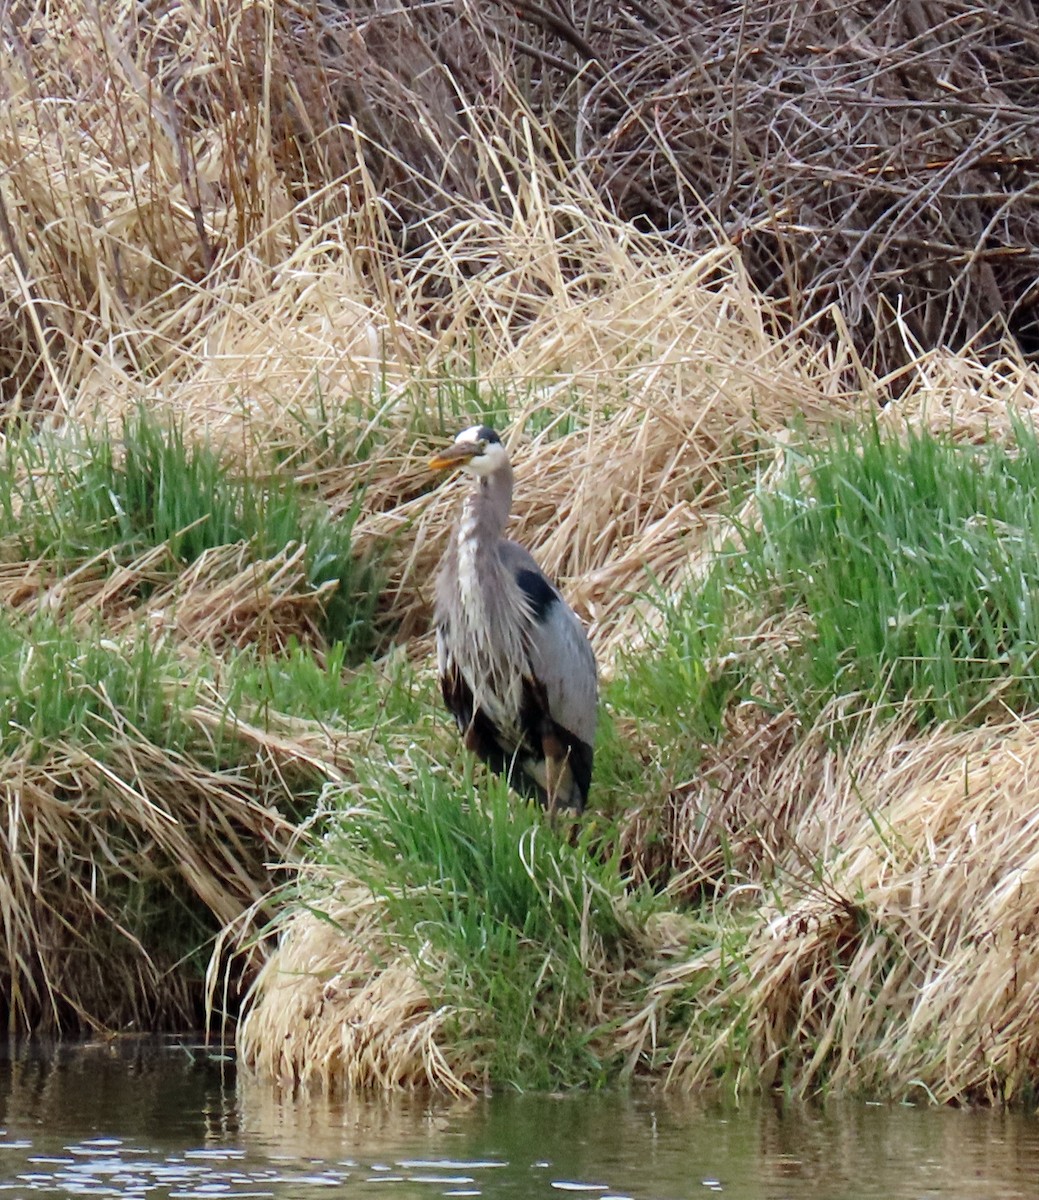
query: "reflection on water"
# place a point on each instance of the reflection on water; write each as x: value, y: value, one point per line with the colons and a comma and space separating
x: 149, y: 1119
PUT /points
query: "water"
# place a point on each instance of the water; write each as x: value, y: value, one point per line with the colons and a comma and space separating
x: 147, y: 1119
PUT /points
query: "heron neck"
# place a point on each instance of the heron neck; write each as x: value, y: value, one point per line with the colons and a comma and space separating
x: 486, y: 510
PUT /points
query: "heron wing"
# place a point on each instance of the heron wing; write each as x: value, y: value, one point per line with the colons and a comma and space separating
x: 561, y: 660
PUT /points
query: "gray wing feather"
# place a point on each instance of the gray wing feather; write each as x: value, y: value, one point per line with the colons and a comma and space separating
x: 561, y: 656
x: 563, y: 661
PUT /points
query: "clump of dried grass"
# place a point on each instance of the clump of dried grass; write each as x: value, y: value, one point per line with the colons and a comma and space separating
x: 264, y: 315
x: 893, y: 949
x: 634, y: 485
x: 344, y: 1008
x: 227, y: 598
x: 869, y: 876
x: 144, y: 810
x: 118, y: 860
x: 294, y: 254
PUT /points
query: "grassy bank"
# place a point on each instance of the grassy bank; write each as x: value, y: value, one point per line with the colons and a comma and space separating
x: 243, y: 298
x: 796, y: 873
x: 147, y: 785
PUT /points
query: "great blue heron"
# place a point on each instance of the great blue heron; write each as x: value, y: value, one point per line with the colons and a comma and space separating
x: 516, y: 667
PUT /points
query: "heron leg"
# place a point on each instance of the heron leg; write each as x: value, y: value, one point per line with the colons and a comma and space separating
x: 557, y: 770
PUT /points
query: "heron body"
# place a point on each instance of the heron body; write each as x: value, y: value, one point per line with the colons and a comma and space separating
x: 516, y: 668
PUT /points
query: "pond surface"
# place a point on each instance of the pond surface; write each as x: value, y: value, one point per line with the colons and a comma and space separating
x: 147, y: 1119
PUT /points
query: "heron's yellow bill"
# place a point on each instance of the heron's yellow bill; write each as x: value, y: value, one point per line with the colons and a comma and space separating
x: 454, y: 456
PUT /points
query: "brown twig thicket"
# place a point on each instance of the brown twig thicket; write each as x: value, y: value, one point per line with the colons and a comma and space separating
x: 876, y: 164
x: 873, y: 161
x: 876, y: 158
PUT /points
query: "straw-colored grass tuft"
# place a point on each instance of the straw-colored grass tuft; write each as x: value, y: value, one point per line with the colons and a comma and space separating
x: 117, y: 865
x: 146, y: 794
x: 894, y: 954
x: 227, y: 598
x: 341, y: 1008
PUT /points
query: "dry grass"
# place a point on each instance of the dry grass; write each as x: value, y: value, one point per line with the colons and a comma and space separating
x: 93, y: 850
x: 892, y: 950
x: 663, y: 356
x: 290, y: 304
x: 343, y: 1009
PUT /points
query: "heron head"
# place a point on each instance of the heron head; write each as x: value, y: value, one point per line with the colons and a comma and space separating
x: 477, y: 450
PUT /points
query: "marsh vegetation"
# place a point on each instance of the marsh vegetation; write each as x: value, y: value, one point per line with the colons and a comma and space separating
x: 255, y: 266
